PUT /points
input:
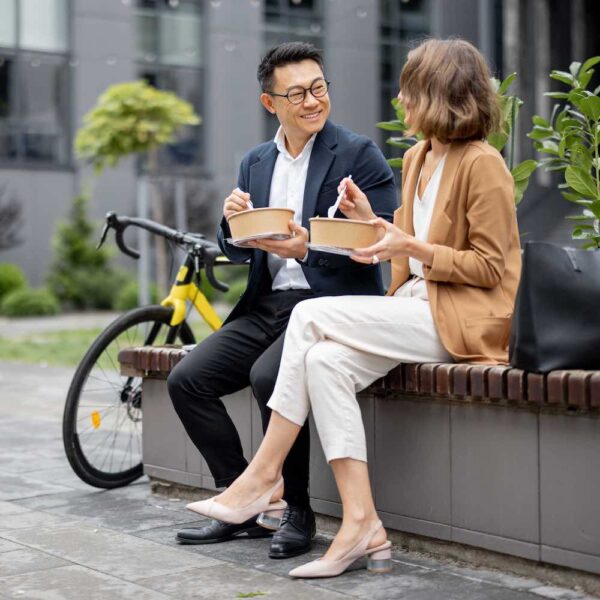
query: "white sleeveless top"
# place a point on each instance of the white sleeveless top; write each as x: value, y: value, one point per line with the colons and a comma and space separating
x: 422, y: 211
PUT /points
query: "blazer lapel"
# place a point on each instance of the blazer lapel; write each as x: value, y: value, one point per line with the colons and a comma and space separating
x: 410, y: 186
x: 261, y: 173
x: 441, y: 223
x: 321, y: 158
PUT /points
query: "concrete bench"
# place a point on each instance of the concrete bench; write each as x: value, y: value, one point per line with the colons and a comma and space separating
x: 487, y: 456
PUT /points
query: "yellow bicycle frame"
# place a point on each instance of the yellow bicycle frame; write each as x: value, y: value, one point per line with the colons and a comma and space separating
x: 181, y: 292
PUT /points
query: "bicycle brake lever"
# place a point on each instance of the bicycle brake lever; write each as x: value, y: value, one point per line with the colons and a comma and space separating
x: 102, y: 236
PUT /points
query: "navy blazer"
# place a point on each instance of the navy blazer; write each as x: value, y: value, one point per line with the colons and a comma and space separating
x: 337, y: 153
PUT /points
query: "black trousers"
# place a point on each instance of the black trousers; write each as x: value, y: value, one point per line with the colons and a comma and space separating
x: 246, y: 351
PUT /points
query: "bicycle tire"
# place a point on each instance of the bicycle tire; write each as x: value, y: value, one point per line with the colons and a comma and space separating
x: 76, y: 455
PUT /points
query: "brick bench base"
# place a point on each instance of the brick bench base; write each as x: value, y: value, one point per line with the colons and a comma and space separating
x: 492, y: 457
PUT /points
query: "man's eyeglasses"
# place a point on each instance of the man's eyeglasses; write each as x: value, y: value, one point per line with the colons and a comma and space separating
x: 297, y: 94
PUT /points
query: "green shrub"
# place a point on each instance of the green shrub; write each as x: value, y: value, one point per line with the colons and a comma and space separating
x: 11, y: 278
x: 127, y: 297
x: 80, y: 276
x: 25, y: 302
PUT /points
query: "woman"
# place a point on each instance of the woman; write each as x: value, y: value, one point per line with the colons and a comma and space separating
x: 455, y: 253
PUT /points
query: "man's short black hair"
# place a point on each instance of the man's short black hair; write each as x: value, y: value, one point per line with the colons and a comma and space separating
x: 285, y: 54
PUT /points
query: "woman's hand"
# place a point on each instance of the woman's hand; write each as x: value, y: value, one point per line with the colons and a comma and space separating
x: 355, y: 204
x: 393, y: 242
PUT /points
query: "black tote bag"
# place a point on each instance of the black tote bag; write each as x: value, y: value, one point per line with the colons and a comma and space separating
x: 556, y: 323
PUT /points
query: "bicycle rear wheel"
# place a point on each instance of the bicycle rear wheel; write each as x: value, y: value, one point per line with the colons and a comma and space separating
x: 102, y: 420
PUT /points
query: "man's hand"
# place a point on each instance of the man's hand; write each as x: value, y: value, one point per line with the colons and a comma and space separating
x: 355, y: 204
x: 294, y: 247
x: 236, y: 202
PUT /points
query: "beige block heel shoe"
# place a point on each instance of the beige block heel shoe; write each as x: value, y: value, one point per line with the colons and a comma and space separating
x: 214, y: 510
x: 379, y: 559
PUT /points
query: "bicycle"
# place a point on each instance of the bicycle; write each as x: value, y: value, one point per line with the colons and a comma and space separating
x: 102, y: 419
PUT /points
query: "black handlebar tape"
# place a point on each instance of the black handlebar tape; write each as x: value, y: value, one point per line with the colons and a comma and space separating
x: 210, y: 275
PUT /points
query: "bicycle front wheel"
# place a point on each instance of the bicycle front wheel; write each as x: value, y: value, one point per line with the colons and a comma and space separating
x: 102, y: 420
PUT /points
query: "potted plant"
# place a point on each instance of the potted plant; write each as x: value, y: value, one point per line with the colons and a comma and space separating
x: 570, y: 141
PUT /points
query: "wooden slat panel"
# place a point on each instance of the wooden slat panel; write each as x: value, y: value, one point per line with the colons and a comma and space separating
x: 443, y: 379
x: 460, y: 381
x: 557, y: 387
x: 427, y: 378
x: 536, y: 388
x: 497, y: 385
x: 411, y: 378
x: 595, y: 390
x: 516, y: 389
x: 479, y: 381
x: 579, y: 389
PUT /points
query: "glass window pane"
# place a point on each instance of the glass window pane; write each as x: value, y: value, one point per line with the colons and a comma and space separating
x: 8, y: 123
x: 180, y: 39
x: 186, y: 151
x: 8, y: 23
x: 44, y: 106
x: 147, y: 35
x: 43, y: 25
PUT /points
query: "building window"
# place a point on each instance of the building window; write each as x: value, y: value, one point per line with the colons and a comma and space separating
x: 291, y: 21
x: 170, y: 55
x: 34, y: 82
x: 401, y: 23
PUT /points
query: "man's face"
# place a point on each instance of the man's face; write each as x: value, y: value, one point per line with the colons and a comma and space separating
x: 307, y: 117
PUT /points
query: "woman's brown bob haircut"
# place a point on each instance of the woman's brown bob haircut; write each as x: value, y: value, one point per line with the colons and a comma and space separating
x: 446, y: 84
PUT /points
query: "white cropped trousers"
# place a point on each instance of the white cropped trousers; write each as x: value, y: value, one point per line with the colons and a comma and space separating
x: 337, y: 346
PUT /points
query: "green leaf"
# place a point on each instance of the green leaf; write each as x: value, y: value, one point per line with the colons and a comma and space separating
x: 400, y: 142
x: 547, y: 147
x: 391, y: 125
x: 395, y: 163
x: 540, y: 133
x: 520, y: 188
x: 503, y: 87
x: 589, y: 63
x: 540, y: 121
x: 557, y: 95
x: 497, y: 140
x: 590, y: 107
x: 563, y: 76
x: 574, y: 68
x: 523, y: 171
x: 581, y: 181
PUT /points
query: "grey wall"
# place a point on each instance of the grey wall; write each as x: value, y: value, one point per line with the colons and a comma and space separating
x: 352, y: 64
x: 234, y: 117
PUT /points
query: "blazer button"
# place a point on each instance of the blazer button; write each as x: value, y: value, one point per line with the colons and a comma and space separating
x: 323, y: 262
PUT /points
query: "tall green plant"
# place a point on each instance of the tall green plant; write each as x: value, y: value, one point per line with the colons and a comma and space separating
x: 134, y: 118
x: 80, y: 276
x: 570, y: 140
x: 510, y: 106
x: 131, y: 118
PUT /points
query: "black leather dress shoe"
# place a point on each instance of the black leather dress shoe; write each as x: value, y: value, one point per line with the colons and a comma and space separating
x: 218, y: 531
x: 295, y: 534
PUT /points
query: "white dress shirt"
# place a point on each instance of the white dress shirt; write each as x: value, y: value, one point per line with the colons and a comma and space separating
x: 287, y: 191
x: 422, y: 211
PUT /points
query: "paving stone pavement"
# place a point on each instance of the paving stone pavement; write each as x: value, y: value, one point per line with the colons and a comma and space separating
x: 61, y: 539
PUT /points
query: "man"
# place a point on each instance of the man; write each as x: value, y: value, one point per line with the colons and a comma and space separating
x: 300, y: 169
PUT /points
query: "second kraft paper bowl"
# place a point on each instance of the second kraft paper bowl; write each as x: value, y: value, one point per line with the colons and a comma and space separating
x: 342, y: 233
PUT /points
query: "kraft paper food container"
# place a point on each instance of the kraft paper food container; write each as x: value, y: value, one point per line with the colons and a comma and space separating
x: 342, y: 233
x: 260, y: 222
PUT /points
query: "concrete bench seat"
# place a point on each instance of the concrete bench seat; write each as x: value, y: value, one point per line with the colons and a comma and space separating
x: 488, y: 456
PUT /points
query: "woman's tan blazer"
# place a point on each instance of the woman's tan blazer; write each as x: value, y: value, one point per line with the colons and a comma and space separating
x: 476, y: 267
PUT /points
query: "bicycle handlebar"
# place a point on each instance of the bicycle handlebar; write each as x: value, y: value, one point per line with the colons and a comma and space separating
x: 209, y: 250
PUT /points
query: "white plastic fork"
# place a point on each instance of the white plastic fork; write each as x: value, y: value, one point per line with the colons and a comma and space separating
x: 332, y: 209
